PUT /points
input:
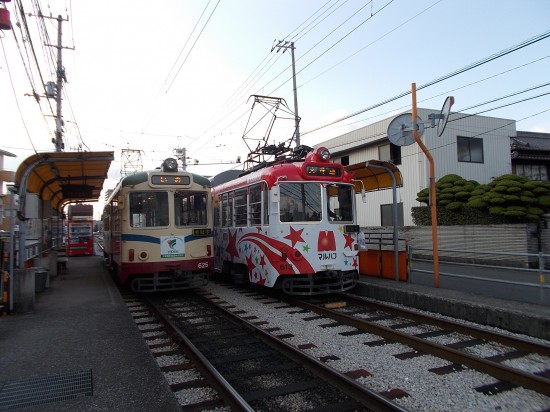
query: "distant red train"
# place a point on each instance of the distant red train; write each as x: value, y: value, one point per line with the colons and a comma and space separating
x: 290, y: 225
x: 80, y: 230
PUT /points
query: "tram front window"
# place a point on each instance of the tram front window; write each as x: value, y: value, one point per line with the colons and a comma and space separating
x: 148, y: 209
x: 300, y: 202
x: 190, y: 208
x: 340, y: 202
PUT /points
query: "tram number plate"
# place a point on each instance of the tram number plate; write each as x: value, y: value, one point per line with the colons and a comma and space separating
x: 351, y: 228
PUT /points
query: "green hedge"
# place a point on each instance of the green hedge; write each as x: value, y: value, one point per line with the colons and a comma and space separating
x: 422, y: 216
x: 506, y: 199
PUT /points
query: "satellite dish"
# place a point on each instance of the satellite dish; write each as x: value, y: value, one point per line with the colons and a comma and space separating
x: 444, y: 116
x: 400, y: 131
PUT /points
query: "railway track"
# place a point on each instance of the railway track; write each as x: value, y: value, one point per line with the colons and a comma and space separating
x: 435, y: 364
x: 390, y: 323
x: 239, y: 365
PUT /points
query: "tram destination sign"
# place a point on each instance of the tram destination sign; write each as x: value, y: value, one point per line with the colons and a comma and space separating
x: 323, y: 171
x: 170, y: 180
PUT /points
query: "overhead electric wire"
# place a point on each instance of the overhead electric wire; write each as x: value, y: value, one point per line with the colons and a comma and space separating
x: 366, y: 46
x: 299, y: 35
x: 184, y: 61
x: 192, y: 46
x: 15, y: 95
x: 303, y: 24
x: 45, y: 42
x: 480, y: 134
x: 470, y: 66
x: 185, y: 45
x: 19, y: 11
x: 299, y: 29
x: 253, y: 78
x: 382, y: 134
x: 504, y: 105
x: 506, y: 96
x: 446, y: 93
x: 326, y: 50
x: 26, y: 27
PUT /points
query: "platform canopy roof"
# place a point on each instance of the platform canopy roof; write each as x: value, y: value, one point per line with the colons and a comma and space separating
x: 375, y: 175
x: 64, y: 177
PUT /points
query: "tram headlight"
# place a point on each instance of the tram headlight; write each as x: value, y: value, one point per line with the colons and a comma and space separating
x: 170, y: 165
x: 324, y: 153
x: 143, y: 255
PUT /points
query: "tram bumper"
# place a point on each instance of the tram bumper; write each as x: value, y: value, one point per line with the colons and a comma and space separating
x: 169, y: 281
x: 324, y: 282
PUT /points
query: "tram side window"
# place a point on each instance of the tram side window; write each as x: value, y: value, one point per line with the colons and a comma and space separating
x: 115, y: 224
x: 265, y: 200
x: 240, y: 207
x: 227, y: 210
x: 217, y: 208
x: 148, y: 209
x: 189, y: 208
x: 106, y: 218
x: 255, y: 203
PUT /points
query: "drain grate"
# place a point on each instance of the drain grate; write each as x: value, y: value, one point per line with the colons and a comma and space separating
x: 48, y: 389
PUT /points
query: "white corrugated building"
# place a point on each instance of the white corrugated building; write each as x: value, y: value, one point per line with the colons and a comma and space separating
x: 474, y: 147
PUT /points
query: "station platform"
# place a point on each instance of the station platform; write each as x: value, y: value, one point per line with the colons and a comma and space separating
x: 81, y: 341
x: 518, y: 317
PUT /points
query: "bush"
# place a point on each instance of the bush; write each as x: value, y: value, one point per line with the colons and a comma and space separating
x: 508, y: 198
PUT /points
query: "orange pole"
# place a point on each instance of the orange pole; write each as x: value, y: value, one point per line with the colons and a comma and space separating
x: 433, y: 206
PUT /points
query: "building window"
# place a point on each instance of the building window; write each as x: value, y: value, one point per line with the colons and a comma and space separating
x: 532, y: 172
x: 390, y: 153
x: 344, y: 161
x: 469, y: 149
x: 386, y: 213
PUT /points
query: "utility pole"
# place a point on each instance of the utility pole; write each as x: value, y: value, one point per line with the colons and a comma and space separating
x: 181, y: 155
x: 283, y: 44
x: 60, y: 77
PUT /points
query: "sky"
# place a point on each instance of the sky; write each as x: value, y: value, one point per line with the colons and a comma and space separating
x: 153, y: 77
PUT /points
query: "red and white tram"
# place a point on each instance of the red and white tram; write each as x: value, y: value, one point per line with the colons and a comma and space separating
x: 291, y: 225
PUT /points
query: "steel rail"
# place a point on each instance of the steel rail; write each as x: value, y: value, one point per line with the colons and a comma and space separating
x: 229, y: 394
x: 471, y: 330
x: 501, y: 372
x: 361, y: 393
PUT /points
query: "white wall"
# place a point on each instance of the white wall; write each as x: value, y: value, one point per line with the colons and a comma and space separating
x: 362, y: 144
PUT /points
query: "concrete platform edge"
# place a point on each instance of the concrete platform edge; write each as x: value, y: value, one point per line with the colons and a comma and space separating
x: 531, y: 324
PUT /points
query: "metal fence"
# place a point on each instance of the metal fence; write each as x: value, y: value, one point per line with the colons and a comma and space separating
x: 498, y: 261
x: 501, y: 278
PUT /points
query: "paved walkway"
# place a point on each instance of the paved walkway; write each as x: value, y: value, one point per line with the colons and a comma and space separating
x: 80, y: 328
